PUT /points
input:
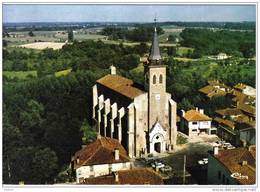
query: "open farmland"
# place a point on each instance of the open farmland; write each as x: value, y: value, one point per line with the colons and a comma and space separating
x: 43, y: 45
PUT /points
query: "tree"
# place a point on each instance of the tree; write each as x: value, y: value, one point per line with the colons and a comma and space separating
x: 172, y: 38
x: 70, y: 36
x: 31, y: 34
x: 89, y: 134
x: 171, y: 51
x: 185, y: 104
x: 44, y: 166
x: 4, y: 43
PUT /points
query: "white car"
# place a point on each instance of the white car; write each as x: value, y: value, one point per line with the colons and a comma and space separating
x: 201, y: 162
x: 166, y: 168
x: 230, y: 147
x: 157, y: 165
x: 204, y: 161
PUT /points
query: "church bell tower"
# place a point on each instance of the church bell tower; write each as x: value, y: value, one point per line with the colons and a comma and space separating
x: 156, y: 84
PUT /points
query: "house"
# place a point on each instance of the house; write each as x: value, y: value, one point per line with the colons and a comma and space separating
x: 142, y: 119
x: 214, y: 89
x: 235, y: 132
x: 238, y: 98
x: 232, y: 166
x: 138, y: 176
x: 101, y: 157
x: 221, y: 56
x: 246, y: 89
x: 195, y: 122
x: 236, y: 125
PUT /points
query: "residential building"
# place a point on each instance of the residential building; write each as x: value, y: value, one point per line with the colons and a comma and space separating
x: 232, y: 166
x: 140, y: 176
x: 246, y: 89
x: 101, y: 157
x: 222, y: 56
x: 214, y: 89
x: 236, y: 126
x: 142, y: 120
x: 195, y: 122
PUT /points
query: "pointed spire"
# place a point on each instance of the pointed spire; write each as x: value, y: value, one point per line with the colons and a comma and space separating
x: 155, y: 56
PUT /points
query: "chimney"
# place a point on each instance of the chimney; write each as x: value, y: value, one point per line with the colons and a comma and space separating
x: 244, y: 163
x: 116, y: 177
x: 183, y: 113
x: 215, y: 150
x: 113, y: 70
x: 77, y: 161
x: 116, y: 154
x: 98, y: 136
x: 201, y: 111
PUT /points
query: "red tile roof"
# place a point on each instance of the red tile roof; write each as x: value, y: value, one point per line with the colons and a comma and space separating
x: 193, y: 115
x: 229, y: 111
x: 140, y: 176
x: 100, y: 152
x: 121, y: 85
x: 232, y: 159
x: 225, y: 122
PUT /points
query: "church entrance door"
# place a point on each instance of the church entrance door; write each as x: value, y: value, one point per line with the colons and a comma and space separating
x: 157, y: 147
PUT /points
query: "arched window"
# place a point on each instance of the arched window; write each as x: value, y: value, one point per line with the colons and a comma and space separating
x: 154, y: 79
x: 161, y: 79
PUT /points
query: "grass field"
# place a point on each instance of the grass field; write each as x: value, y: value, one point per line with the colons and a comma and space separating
x: 184, y: 50
x: 62, y: 73
x: 19, y: 74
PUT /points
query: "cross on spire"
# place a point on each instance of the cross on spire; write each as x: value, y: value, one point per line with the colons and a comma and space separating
x: 155, y: 56
x: 155, y: 22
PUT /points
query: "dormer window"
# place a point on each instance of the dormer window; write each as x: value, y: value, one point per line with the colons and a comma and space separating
x: 154, y: 79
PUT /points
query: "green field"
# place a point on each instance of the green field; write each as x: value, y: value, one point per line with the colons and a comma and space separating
x: 62, y: 73
x: 19, y: 74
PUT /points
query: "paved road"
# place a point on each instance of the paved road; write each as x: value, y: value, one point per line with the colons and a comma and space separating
x: 196, y: 149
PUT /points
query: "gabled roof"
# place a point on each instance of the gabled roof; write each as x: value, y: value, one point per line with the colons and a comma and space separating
x: 121, y: 85
x: 247, y: 108
x: 140, y: 176
x: 225, y: 122
x: 193, y: 115
x: 229, y: 111
x: 232, y: 159
x: 212, y: 91
x: 100, y: 151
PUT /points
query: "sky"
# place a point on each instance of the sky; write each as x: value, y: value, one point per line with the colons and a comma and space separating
x: 126, y: 13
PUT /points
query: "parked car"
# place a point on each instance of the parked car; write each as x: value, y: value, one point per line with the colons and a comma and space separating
x: 204, y: 161
x: 157, y: 164
x: 166, y: 168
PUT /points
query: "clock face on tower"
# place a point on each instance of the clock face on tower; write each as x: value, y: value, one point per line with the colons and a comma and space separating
x: 157, y: 97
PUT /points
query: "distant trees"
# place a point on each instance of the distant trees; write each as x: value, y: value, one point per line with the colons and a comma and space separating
x: 70, y: 35
x: 140, y: 34
x: 172, y: 38
x: 208, y: 42
x: 31, y: 34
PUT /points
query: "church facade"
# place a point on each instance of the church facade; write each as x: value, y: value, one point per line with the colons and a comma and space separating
x: 143, y: 121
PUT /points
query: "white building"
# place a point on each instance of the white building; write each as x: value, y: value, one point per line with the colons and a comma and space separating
x: 195, y: 122
x: 222, y: 56
x: 102, y: 157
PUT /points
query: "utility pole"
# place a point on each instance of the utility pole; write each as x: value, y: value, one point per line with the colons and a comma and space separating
x: 184, y: 168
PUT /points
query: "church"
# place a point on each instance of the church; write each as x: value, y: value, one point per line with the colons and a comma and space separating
x: 142, y: 120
